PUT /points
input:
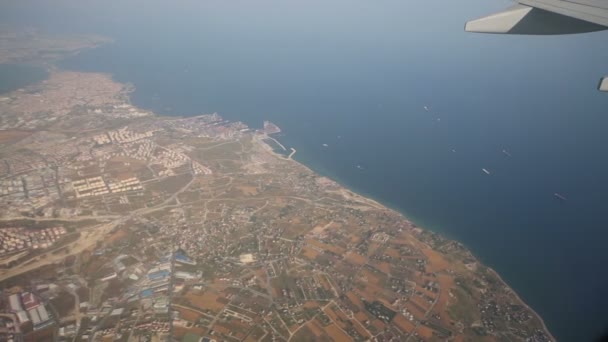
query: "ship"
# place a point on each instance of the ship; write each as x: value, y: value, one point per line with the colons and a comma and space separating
x: 426, y: 108
x: 506, y: 153
x: 486, y: 171
x: 560, y: 196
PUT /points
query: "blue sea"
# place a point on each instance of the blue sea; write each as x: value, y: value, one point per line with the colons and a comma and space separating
x: 356, y: 75
x: 16, y: 76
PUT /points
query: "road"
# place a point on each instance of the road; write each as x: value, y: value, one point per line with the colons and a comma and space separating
x: 88, y: 238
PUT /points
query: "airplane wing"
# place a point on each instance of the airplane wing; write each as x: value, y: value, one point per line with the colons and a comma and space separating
x: 603, y: 84
x: 544, y: 17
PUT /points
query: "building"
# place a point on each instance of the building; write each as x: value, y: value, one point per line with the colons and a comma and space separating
x: 34, y: 316
x: 15, y: 303
x: 185, y: 275
x: 109, y: 276
x: 22, y: 317
x: 44, y: 315
x: 29, y: 300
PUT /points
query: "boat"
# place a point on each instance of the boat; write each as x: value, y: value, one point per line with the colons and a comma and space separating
x: 560, y: 196
x: 486, y: 171
x: 426, y: 108
x: 325, y: 145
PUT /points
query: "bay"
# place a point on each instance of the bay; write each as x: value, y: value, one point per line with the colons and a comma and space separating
x: 16, y: 76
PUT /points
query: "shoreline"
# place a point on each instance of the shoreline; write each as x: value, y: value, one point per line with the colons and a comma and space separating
x: 540, y: 318
x: 362, y: 198
x: 378, y: 205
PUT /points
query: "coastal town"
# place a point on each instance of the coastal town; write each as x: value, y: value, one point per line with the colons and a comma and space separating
x: 120, y: 225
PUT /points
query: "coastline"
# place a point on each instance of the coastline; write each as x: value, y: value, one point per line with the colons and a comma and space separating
x: 378, y: 205
x: 366, y: 199
x: 539, y: 317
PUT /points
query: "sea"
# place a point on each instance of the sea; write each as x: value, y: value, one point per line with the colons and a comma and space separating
x: 17, y: 76
x: 411, y: 109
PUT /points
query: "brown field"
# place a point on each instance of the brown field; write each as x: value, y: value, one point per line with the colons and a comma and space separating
x: 219, y: 328
x: 436, y: 262
x: 320, y: 227
x: 325, y: 282
x: 403, y: 324
x: 206, y: 300
x: 170, y: 184
x: 332, y: 248
x: 305, y: 334
x: 119, y: 234
x: 355, y: 258
x: 315, y: 327
x: 311, y: 305
x: 355, y: 239
x: 420, y: 302
x: 309, y: 253
x: 424, y: 331
x: 294, y: 230
x: 333, y: 315
x: 255, y: 334
x: 248, y: 190
x: 340, y: 319
x: 372, y: 248
x: 446, y: 283
x: 378, y: 324
x: 11, y: 136
x: 383, y: 266
x: 188, y: 315
x: 336, y: 334
x: 415, y: 310
x: 392, y: 252
x: 117, y: 166
x: 403, y: 239
x: 354, y: 298
x: 372, y: 277
x: 178, y: 332
x: 361, y: 316
x: 426, y: 292
x: 233, y: 328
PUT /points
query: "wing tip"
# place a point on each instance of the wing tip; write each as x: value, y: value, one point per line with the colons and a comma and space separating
x: 603, y: 85
x: 500, y: 22
x: 524, y: 19
x: 467, y: 26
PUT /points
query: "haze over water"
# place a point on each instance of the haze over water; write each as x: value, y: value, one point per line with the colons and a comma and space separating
x: 356, y: 75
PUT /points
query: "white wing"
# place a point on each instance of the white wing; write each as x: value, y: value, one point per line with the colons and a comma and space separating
x: 592, y: 11
x: 603, y: 84
x: 545, y: 17
x: 542, y: 17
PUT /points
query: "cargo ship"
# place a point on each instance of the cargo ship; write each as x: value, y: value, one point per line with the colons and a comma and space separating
x: 560, y: 196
